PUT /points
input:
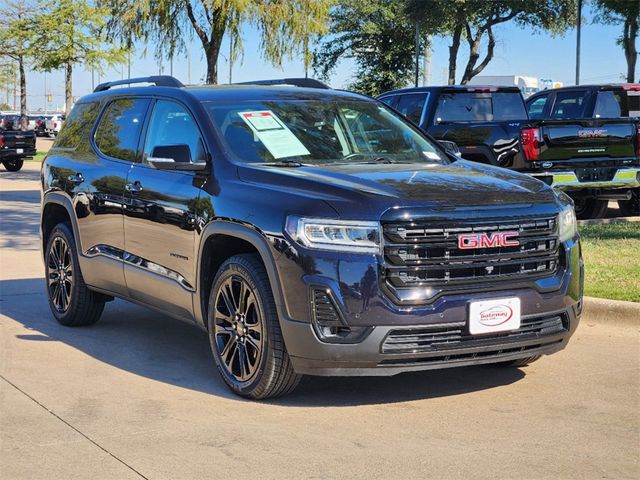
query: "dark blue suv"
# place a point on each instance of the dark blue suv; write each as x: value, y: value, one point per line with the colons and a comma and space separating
x: 306, y: 230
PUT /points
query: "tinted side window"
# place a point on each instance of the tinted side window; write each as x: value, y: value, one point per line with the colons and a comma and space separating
x: 391, y: 100
x: 118, y: 133
x: 608, y: 105
x: 569, y: 105
x: 411, y: 106
x: 171, y: 124
x: 536, y: 107
x: 78, y: 125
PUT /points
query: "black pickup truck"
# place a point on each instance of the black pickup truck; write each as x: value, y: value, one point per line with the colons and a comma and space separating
x: 594, y: 159
x: 600, y: 155
x: 15, y: 146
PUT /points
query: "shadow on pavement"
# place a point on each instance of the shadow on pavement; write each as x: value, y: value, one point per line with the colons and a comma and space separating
x: 160, y: 348
x: 25, y: 175
x: 19, y: 219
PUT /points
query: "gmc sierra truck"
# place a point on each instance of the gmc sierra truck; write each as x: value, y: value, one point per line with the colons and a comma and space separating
x: 15, y: 146
x: 305, y: 230
x: 594, y: 160
x: 603, y: 163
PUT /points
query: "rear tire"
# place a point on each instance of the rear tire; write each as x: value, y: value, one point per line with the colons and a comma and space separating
x: 521, y: 362
x: 13, y: 165
x: 631, y: 208
x: 70, y: 300
x: 590, y: 208
x: 244, y: 331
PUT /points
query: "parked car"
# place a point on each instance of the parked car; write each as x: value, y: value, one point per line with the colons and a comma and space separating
x: 593, y: 160
x: 600, y: 102
x: 54, y: 124
x: 306, y: 230
x: 15, y: 146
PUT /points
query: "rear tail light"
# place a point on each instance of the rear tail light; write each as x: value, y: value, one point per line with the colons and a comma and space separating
x: 1, y: 141
x: 631, y: 86
x: 55, y: 125
x: 530, y: 140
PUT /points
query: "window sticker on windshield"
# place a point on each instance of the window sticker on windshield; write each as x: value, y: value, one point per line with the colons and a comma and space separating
x: 431, y: 155
x: 274, y: 134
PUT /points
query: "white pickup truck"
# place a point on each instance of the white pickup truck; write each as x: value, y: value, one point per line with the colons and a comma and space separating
x: 54, y: 124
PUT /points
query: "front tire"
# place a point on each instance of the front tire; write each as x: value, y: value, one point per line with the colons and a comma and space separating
x: 70, y: 300
x: 244, y: 331
x: 13, y: 165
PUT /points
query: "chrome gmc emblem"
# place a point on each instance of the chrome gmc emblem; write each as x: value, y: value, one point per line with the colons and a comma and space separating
x: 491, y: 240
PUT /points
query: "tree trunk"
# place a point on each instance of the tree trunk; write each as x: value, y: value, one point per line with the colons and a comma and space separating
x: 471, y: 70
x: 23, y: 94
x: 453, y: 54
x: 212, y: 52
x: 68, y: 88
x: 629, y: 43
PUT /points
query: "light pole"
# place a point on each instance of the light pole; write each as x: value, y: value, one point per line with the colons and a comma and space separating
x: 578, y: 32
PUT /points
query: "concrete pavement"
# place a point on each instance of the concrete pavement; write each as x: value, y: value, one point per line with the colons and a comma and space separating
x: 137, y: 396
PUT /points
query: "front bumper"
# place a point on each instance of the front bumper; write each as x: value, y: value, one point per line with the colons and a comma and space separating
x: 372, y: 357
x: 568, y: 180
x: 367, y: 358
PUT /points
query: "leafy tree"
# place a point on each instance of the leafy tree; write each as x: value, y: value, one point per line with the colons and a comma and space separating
x: 474, y: 20
x: 68, y: 33
x: 16, y: 42
x: 378, y: 36
x: 286, y: 26
x: 626, y: 12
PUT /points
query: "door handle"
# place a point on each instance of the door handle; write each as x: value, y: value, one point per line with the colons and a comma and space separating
x: 76, y: 179
x: 134, y: 187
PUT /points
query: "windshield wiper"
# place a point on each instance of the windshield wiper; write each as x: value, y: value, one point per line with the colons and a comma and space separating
x: 286, y: 163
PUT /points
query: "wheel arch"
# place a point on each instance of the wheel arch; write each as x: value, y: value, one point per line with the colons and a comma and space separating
x: 232, y: 239
x: 57, y: 208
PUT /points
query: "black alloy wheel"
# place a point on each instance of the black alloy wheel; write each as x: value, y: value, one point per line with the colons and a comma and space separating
x: 60, y: 274
x: 238, y: 328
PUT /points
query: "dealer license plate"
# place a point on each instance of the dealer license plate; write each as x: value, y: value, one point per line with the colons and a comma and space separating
x: 490, y: 316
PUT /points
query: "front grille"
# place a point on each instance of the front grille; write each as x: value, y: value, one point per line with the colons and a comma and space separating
x: 454, y: 336
x: 418, y: 254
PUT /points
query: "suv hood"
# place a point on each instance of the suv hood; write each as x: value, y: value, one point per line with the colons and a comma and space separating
x: 377, y: 187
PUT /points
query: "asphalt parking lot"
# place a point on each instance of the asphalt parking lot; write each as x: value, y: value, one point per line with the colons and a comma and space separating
x: 137, y: 396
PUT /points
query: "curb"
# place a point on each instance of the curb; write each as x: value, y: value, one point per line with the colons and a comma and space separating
x: 611, y: 311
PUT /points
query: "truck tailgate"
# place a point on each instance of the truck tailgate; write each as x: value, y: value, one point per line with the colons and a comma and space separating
x: 18, y: 139
x: 587, y: 139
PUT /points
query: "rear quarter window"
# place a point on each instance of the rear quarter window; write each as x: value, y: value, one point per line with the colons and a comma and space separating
x: 480, y: 107
x: 118, y: 132
x: 77, y: 128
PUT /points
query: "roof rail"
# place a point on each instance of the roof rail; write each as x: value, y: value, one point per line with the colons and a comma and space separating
x: 296, y: 82
x: 158, y: 80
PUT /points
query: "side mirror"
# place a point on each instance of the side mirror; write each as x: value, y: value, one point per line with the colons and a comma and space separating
x: 450, y: 147
x: 174, y: 157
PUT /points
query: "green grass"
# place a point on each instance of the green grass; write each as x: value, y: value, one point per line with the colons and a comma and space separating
x: 38, y: 158
x: 612, y: 260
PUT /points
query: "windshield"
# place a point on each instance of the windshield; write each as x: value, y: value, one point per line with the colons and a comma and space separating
x: 320, y: 133
x: 473, y: 107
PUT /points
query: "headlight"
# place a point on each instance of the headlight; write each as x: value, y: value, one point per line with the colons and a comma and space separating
x: 568, y: 225
x: 335, y: 235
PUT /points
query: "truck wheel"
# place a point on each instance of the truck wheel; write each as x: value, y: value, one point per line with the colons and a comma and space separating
x: 521, y: 362
x: 631, y: 207
x: 588, y: 208
x: 13, y: 165
x: 70, y: 300
x: 244, y: 331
